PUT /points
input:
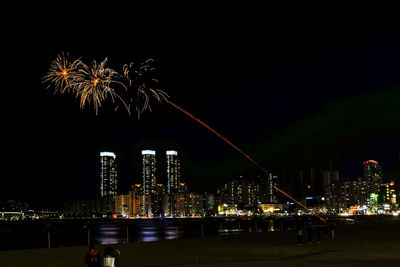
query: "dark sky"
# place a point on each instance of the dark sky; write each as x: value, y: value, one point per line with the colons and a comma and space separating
x: 291, y: 86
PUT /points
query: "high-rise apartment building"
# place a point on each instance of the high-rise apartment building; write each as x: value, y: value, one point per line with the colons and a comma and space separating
x: 271, y: 195
x: 373, y: 175
x: 135, y: 203
x: 173, y: 171
x: 149, y: 182
x: 108, y: 174
x: 149, y: 172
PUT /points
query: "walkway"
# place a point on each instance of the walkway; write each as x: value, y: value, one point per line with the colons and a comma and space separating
x: 333, y: 258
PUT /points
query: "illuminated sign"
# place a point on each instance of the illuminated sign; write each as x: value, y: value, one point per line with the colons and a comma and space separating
x: 172, y: 152
x: 148, y: 152
x: 107, y: 154
x: 373, y: 197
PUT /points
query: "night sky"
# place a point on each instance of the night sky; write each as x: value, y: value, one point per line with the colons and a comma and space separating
x: 294, y: 88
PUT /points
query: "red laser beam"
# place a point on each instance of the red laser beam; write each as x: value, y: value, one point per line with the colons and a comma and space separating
x: 218, y: 134
x: 239, y: 150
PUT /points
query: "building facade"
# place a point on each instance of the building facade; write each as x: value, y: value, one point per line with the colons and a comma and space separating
x: 149, y: 172
x: 122, y: 205
x: 149, y: 181
x: 373, y: 175
x: 173, y: 171
x: 108, y: 174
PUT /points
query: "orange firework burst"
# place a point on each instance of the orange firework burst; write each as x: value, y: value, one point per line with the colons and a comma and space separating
x: 61, y: 73
x: 93, y: 84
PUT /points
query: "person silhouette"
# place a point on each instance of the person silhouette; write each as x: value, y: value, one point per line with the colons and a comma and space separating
x: 92, y: 258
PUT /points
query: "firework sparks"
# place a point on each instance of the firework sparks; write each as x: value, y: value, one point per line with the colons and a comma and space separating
x: 61, y: 73
x: 141, y: 78
x: 93, y: 84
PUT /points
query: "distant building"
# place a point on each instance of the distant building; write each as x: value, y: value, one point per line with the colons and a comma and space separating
x: 183, y: 188
x: 182, y: 201
x: 272, y: 182
x: 108, y: 174
x: 173, y: 171
x: 329, y: 177
x: 339, y: 195
x: 122, y: 205
x: 13, y: 205
x: 396, y: 178
x: 149, y: 182
x: 356, y: 195
x: 245, y: 194
x: 158, y: 201
x: 388, y: 196
x: 149, y: 172
x: 201, y: 205
x: 373, y: 175
x: 87, y: 208
x: 359, y: 192
x: 135, y: 203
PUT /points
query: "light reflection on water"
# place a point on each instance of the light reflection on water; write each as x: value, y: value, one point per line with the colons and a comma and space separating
x: 108, y: 234
x: 114, y: 233
x: 149, y: 234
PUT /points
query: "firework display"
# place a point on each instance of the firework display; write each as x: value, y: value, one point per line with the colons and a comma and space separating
x: 140, y: 77
x: 62, y: 73
x: 91, y: 83
x: 94, y: 83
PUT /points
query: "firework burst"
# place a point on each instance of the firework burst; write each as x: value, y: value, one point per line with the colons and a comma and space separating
x: 140, y: 77
x: 93, y: 84
x: 62, y: 73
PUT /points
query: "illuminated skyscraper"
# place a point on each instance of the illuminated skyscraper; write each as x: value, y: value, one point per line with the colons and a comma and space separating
x: 272, y: 181
x: 109, y: 182
x: 373, y: 175
x: 173, y: 171
x: 372, y: 170
x: 149, y: 172
x: 173, y: 174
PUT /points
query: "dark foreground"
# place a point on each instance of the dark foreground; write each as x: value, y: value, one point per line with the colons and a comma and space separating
x: 374, y: 242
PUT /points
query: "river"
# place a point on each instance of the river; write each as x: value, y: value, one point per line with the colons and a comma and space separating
x: 72, y: 232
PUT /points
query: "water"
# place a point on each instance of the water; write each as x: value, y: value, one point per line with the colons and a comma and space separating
x: 34, y: 234
x: 157, y: 230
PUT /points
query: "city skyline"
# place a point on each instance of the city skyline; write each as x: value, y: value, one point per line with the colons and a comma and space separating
x: 315, y: 187
x: 207, y: 133
x: 292, y: 94
x: 321, y: 190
